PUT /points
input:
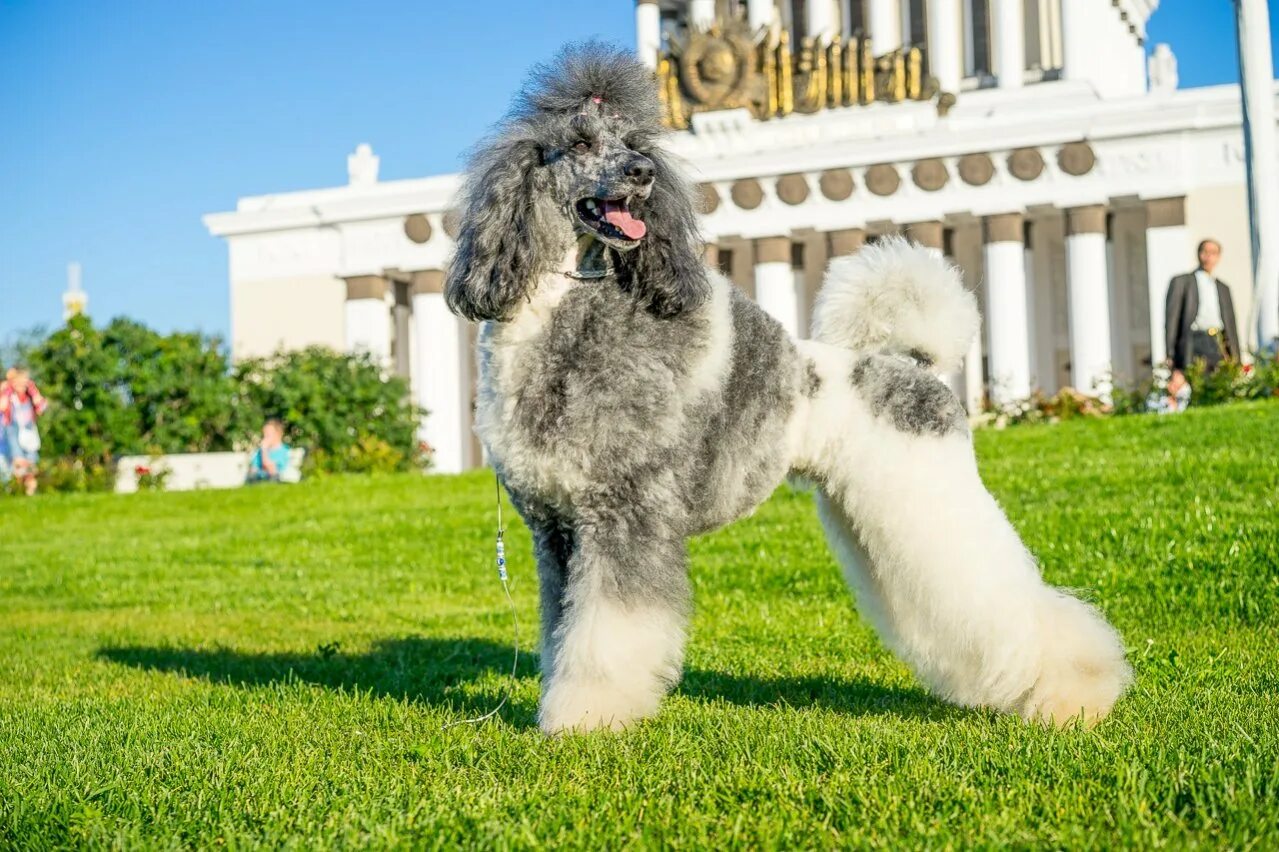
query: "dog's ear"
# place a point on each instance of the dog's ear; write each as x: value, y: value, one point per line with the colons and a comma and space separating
x: 666, y: 272
x: 498, y: 244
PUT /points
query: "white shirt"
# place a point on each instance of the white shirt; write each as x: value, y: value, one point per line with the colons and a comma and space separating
x: 1209, y: 315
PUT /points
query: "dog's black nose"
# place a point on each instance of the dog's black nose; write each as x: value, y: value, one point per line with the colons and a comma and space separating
x: 640, y: 169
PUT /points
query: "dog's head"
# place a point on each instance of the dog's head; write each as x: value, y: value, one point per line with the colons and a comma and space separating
x: 578, y: 156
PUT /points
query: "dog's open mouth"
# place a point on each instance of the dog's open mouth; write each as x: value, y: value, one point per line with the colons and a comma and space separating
x: 611, y: 218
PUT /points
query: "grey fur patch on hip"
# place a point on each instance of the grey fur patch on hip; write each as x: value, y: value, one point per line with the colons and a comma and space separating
x: 911, y: 398
x: 812, y: 381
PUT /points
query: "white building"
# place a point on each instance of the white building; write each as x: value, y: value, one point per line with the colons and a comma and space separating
x: 1032, y: 141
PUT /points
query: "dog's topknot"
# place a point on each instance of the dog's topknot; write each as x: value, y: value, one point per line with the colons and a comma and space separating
x: 590, y: 70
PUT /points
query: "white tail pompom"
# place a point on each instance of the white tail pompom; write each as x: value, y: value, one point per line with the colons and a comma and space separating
x: 896, y: 296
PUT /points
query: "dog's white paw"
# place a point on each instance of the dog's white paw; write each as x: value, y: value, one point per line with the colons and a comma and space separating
x: 1083, y: 670
x: 579, y: 707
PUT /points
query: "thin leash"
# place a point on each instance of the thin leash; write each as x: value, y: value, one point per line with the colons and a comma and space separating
x: 515, y: 621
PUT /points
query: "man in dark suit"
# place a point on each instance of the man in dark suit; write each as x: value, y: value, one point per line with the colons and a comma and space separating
x: 1200, y: 318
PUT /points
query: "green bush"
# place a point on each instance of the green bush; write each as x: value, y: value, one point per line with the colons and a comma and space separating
x: 178, y: 387
x: 1232, y: 381
x: 125, y: 389
x: 77, y: 475
x: 89, y: 417
x: 342, y: 408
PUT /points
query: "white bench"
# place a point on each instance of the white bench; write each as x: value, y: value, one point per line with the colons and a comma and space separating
x: 191, y: 471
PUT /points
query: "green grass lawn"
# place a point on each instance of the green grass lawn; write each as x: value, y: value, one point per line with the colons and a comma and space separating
x: 275, y: 666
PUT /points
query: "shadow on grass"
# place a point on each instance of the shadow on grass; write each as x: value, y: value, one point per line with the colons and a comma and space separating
x: 440, y: 672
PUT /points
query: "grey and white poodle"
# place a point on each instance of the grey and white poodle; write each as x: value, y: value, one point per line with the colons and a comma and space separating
x: 630, y: 397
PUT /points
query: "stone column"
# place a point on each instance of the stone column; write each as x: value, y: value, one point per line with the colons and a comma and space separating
x: 402, y: 318
x: 701, y: 14
x: 1007, y: 318
x: 945, y: 44
x: 1088, y: 289
x: 1168, y: 253
x: 759, y: 14
x: 1258, y: 90
x: 1078, y: 39
x: 884, y: 25
x: 775, y: 282
x: 711, y: 255
x: 648, y: 31
x: 927, y: 234
x: 931, y: 235
x: 368, y: 317
x: 846, y: 241
x: 819, y: 20
x: 442, y: 365
x: 1008, y: 36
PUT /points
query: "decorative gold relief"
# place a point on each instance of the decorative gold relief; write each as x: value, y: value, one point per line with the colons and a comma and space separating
x: 811, y: 77
x: 730, y: 67
x: 867, y: 72
x: 784, y: 83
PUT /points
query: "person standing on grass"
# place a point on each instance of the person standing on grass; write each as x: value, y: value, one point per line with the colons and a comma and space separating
x: 1200, y: 319
x: 21, y: 405
x: 271, y: 458
x: 5, y: 464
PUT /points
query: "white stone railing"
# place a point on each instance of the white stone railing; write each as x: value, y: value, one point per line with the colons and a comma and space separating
x: 192, y: 471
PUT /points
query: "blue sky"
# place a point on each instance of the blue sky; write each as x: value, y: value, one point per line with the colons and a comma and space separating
x: 122, y: 123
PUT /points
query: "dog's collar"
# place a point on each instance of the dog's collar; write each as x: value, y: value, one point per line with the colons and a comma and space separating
x: 591, y: 275
x: 593, y: 261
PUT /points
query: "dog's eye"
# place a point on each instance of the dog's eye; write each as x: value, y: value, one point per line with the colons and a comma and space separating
x: 581, y: 146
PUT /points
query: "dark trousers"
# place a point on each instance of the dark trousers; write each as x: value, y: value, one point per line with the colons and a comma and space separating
x: 1208, y: 347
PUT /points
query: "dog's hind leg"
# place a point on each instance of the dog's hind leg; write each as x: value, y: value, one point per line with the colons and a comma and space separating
x: 619, y: 643
x: 942, y: 575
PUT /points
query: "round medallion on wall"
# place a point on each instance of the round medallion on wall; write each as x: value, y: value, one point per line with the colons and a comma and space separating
x: 417, y: 228
x: 836, y: 184
x: 792, y: 189
x: 747, y: 194
x: 1076, y: 158
x: 452, y: 221
x: 883, y: 179
x: 709, y: 198
x: 1026, y: 163
x: 976, y: 169
x: 930, y: 175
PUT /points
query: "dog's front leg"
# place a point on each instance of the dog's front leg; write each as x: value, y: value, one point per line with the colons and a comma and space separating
x: 618, y: 645
x: 553, y: 542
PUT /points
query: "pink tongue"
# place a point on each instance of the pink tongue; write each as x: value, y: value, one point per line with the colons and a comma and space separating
x: 619, y: 217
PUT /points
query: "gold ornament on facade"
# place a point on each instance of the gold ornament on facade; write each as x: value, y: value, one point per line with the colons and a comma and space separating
x: 792, y: 189
x: 417, y: 228
x: 976, y: 169
x: 709, y: 198
x: 730, y: 67
x: 452, y: 222
x: 836, y: 184
x: 930, y: 175
x: 1026, y: 163
x: 747, y: 194
x: 883, y: 179
x: 1076, y: 158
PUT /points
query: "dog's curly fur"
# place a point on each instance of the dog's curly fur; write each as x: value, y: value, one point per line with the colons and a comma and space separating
x: 630, y: 398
